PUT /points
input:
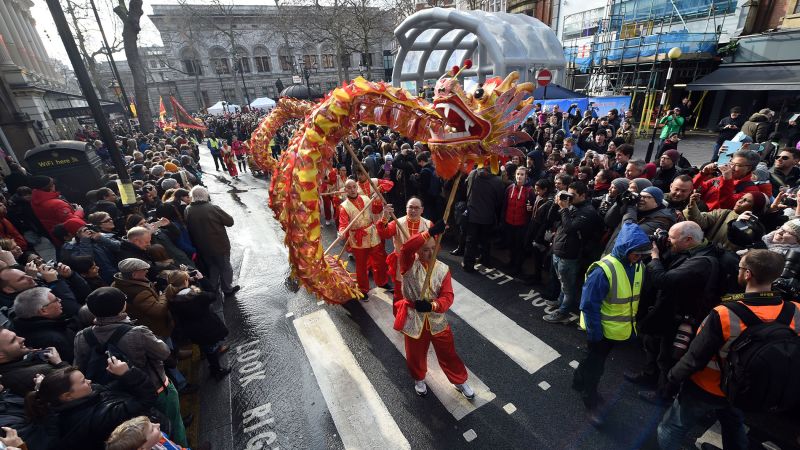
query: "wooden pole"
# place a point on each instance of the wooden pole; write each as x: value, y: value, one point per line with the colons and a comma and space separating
x: 372, y: 183
x: 426, y: 288
x: 349, y: 225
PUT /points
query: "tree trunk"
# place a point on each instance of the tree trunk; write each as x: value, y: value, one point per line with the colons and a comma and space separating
x: 130, y: 33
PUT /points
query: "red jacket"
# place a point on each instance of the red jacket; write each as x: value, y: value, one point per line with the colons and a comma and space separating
x: 515, y: 205
x: 8, y: 231
x: 51, y: 210
x: 717, y: 192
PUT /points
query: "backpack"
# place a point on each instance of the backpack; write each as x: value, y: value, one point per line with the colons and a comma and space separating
x: 95, y: 369
x: 762, y: 370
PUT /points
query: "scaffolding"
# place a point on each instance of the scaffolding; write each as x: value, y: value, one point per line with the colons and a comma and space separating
x: 628, y: 53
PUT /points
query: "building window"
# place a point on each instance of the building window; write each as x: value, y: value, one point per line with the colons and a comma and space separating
x: 262, y: 63
x: 162, y: 64
x: 229, y: 95
x: 206, y: 99
x: 366, y: 59
x: 797, y: 8
x: 582, y: 24
x: 220, y: 65
x: 153, y: 64
x: 328, y: 61
x: 192, y: 67
x: 345, y: 60
x: 243, y: 64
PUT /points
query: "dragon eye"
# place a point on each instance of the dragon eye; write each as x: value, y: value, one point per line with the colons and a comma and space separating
x: 478, y: 93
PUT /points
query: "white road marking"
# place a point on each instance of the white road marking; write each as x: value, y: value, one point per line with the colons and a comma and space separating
x: 574, y: 364
x: 527, y: 350
x: 544, y: 385
x: 320, y: 303
x: 289, y: 314
x: 380, y: 309
x: 510, y: 408
x: 470, y: 435
x: 352, y: 400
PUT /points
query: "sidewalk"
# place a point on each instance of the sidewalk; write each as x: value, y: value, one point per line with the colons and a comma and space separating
x: 696, y: 147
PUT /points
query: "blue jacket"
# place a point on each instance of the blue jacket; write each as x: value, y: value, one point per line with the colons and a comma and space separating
x: 103, y: 251
x: 596, y: 286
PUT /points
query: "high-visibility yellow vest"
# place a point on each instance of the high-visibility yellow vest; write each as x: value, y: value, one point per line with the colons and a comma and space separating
x: 214, y: 143
x: 618, y: 310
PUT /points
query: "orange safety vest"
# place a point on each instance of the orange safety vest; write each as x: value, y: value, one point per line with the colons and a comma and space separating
x: 710, y: 377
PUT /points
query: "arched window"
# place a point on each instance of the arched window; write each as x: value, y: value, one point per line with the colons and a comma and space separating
x: 286, y: 59
x: 191, y: 62
x: 242, y: 58
x: 310, y: 57
x: 328, y: 58
x: 218, y: 61
x: 261, y: 58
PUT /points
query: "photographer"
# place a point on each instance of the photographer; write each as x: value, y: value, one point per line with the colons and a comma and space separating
x: 87, y: 240
x: 673, y: 122
x: 579, y: 224
x: 722, y: 185
x: 715, y: 223
x: 19, y: 364
x: 646, y: 209
x: 674, y: 295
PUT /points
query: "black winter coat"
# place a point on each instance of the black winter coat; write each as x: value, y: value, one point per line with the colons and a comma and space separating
x: 40, y: 332
x: 193, y: 317
x: 86, y: 423
x: 579, y: 224
x: 485, y: 198
x: 674, y: 288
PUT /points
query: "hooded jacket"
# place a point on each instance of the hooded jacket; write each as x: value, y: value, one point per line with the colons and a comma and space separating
x: 648, y: 221
x: 757, y: 127
x: 146, y: 305
x: 596, y: 286
x: 51, y: 210
x: 579, y: 223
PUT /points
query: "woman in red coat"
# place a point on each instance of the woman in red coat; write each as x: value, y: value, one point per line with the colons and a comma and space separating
x: 48, y: 206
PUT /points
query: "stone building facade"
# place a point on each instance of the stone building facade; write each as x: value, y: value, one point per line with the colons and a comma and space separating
x: 249, y: 52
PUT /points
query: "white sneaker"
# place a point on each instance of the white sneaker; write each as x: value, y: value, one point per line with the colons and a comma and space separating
x: 421, y: 388
x: 465, y: 390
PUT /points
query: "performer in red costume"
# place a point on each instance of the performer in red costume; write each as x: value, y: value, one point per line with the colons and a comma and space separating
x: 399, y: 231
x: 421, y: 315
x: 362, y: 238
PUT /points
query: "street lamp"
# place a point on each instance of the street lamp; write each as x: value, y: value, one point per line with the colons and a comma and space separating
x: 673, y: 54
x: 218, y: 68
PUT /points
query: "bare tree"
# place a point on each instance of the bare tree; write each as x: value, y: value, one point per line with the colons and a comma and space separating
x: 368, y: 26
x: 82, y: 25
x: 131, y: 16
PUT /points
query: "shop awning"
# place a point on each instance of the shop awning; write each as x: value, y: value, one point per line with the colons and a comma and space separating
x: 750, y: 78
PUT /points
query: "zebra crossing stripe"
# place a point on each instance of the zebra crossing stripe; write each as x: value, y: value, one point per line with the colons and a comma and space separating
x: 379, y: 309
x: 360, y: 416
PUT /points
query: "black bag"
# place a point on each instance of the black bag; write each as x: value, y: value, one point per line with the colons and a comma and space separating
x: 98, y: 358
x: 762, y: 371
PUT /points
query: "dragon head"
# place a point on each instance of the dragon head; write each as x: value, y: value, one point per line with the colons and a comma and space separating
x: 481, y: 124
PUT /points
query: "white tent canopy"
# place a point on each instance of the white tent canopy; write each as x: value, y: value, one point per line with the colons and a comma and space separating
x: 218, y: 108
x: 263, y: 103
x: 433, y: 40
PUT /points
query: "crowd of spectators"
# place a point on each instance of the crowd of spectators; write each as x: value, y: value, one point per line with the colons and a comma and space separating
x: 99, y: 301
x: 561, y: 203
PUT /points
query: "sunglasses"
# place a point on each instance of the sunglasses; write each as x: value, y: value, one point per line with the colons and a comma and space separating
x: 784, y: 158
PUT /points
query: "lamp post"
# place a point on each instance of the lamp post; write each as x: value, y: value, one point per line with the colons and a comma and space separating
x: 673, y: 54
x: 218, y: 69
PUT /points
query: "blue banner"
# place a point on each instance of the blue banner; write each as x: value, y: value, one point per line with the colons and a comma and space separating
x: 602, y: 105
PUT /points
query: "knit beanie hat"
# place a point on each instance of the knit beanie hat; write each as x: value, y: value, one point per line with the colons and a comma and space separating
x: 106, y: 302
x: 657, y: 194
x: 39, y: 182
x: 673, y: 155
x: 759, y: 202
x: 793, y: 226
x: 621, y: 184
x: 73, y: 225
x: 650, y: 170
x: 171, y: 167
x: 641, y: 183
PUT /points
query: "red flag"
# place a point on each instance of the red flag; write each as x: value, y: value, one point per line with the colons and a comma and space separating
x: 184, y: 119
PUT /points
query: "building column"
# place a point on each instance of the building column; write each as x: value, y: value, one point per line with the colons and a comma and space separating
x: 5, y: 14
x: 19, y: 38
x: 44, y: 58
x: 38, y: 64
x: 7, y: 34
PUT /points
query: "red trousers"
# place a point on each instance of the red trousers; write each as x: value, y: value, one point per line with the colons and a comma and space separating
x: 443, y: 345
x: 328, y: 207
x: 370, y: 258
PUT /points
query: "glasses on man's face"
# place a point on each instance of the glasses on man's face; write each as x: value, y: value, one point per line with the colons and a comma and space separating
x: 107, y: 220
x: 784, y: 231
x: 784, y: 158
x: 55, y: 300
x: 737, y: 166
x: 646, y: 196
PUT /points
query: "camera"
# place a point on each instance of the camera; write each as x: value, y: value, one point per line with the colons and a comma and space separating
x: 564, y: 196
x: 788, y: 284
x: 92, y: 227
x: 745, y: 233
x: 629, y: 197
x: 661, y: 239
x: 193, y: 273
x: 38, y: 355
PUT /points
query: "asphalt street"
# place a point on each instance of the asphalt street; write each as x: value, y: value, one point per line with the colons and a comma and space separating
x: 313, y: 376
